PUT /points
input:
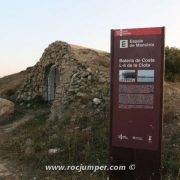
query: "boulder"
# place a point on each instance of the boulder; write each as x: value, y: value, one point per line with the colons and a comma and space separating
x: 53, y: 151
x: 96, y: 101
x: 6, y: 109
x: 89, y: 77
x: 89, y: 70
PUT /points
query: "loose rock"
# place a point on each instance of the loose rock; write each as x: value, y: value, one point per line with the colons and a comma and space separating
x: 6, y: 109
x: 96, y: 101
x: 53, y: 151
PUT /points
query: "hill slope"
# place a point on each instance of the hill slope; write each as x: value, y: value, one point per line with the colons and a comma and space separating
x: 81, y: 134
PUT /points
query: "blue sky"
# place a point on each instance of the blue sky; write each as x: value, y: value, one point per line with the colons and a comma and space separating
x: 27, y: 27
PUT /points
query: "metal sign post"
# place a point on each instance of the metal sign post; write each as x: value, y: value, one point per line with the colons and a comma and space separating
x: 137, y: 66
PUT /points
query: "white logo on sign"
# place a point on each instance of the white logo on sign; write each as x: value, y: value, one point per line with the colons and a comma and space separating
x: 137, y: 138
x: 123, y: 43
x: 121, y: 137
x: 150, y: 139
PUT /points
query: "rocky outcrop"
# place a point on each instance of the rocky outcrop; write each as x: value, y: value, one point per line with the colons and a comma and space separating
x: 6, y: 109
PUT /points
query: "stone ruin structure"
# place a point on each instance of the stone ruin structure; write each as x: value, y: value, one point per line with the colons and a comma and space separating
x: 63, y: 72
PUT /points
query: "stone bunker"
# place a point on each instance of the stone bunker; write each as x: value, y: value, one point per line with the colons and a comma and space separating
x: 63, y: 72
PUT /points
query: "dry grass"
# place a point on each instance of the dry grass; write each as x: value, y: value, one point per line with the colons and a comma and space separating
x: 93, y: 58
x: 10, y: 84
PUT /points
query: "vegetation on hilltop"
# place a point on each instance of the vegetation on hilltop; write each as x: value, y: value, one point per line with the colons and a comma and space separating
x: 172, y: 64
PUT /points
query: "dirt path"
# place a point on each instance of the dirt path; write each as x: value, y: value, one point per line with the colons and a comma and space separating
x: 10, y: 127
x: 7, y: 169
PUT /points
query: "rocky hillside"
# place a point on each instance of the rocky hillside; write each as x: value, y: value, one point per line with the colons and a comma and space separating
x: 74, y: 127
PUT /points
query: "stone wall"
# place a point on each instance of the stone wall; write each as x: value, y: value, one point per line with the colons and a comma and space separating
x: 55, y: 54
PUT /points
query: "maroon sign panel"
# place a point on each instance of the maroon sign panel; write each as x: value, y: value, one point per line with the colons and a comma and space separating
x: 137, y: 87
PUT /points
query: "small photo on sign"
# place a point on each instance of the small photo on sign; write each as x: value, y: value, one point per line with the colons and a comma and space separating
x: 127, y: 76
x: 145, y: 76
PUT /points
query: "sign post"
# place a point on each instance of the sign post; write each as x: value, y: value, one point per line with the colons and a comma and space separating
x: 137, y: 66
